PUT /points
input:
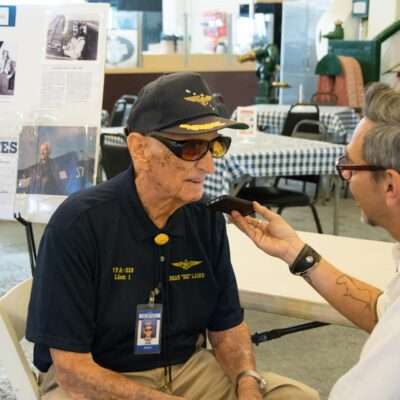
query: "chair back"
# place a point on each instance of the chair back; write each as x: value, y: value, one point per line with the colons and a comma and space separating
x: 298, y: 112
x: 13, y: 315
x: 115, y: 156
x: 322, y: 132
x: 121, y: 110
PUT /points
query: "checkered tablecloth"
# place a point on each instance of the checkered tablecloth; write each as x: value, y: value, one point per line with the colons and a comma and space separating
x: 340, y: 121
x: 266, y: 155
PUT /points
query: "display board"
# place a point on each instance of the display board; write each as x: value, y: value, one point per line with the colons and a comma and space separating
x: 51, y: 82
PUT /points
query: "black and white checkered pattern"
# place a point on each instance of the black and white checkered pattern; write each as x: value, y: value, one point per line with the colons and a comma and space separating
x: 268, y: 155
x: 340, y: 121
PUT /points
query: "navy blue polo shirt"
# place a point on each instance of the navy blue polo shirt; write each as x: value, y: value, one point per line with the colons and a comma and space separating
x: 98, y: 260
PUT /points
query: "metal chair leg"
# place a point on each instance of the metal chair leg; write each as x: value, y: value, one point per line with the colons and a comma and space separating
x: 316, y: 218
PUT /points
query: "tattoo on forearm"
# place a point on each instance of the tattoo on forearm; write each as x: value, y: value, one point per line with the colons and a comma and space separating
x: 357, y: 293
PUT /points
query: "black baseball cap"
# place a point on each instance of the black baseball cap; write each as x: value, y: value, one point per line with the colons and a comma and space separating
x: 179, y: 103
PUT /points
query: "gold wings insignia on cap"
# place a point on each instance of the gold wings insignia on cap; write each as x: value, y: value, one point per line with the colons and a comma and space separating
x: 200, y: 98
x: 186, y: 264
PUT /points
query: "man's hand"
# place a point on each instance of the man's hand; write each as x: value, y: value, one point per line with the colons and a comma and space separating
x: 80, y: 376
x: 274, y: 235
x: 248, y: 389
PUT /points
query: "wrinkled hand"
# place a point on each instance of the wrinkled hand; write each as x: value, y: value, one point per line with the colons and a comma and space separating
x: 273, y: 235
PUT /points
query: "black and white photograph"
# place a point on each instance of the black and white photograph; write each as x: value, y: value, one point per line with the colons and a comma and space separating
x: 72, y: 38
x: 7, y: 68
x: 56, y: 160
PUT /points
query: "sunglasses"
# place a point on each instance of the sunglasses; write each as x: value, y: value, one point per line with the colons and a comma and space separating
x: 345, y: 168
x: 193, y: 150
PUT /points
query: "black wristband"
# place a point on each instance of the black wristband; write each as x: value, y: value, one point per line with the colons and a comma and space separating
x: 307, y: 258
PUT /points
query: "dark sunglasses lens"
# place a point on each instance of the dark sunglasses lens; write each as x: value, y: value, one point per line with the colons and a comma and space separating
x: 220, y: 146
x: 194, y: 150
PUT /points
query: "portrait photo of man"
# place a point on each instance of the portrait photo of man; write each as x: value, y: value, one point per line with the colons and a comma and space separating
x: 148, y: 332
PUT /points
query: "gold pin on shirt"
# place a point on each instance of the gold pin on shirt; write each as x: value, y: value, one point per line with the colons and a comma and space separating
x: 161, y: 239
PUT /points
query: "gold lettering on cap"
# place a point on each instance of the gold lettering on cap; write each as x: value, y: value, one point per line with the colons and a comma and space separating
x: 201, y: 127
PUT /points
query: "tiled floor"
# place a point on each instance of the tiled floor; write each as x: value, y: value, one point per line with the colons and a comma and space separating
x: 317, y: 357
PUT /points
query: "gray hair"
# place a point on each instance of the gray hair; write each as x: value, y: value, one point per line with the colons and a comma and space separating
x: 382, y: 142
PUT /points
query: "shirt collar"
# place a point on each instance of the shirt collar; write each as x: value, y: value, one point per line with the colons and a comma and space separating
x: 142, y: 226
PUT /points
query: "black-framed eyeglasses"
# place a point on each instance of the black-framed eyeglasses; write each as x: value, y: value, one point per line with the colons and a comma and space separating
x: 193, y: 150
x: 345, y: 168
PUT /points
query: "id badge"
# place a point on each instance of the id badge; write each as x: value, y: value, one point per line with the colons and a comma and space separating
x: 148, y: 329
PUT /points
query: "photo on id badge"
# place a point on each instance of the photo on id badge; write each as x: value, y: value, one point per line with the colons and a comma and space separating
x: 148, y: 329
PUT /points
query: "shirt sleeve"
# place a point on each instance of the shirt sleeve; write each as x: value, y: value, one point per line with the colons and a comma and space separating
x: 61, y: 312
x: 381, y: 304
x: 375, y: 376
x: 228, y: 312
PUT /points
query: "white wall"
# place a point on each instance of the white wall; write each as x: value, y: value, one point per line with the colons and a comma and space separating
x: 381, y: 14
x: 380, y: 17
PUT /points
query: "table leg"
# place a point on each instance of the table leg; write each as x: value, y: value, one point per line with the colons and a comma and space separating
x: 336, y: 182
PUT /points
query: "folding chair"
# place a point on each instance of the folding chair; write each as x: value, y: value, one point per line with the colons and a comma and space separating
x: 271, y: 196
x: 299, y: 112
x: 13, y: 315
x: 115, y: 156
x: 302, y: 121
x: 121, y: 110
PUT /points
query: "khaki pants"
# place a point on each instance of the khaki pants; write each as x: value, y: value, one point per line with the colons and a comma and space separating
x: 200, y: 378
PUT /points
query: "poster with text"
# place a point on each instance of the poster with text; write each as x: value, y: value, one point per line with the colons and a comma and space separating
x: 52, y: 74
x: 8, y: 168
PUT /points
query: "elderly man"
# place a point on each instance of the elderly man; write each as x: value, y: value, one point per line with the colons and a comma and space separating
x: 141, y: 248
x: 371, y: 165
x: 44, y: 179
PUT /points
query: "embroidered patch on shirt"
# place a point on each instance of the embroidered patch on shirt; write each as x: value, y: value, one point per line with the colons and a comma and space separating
x: 186, y: 264
x: 123, y: 273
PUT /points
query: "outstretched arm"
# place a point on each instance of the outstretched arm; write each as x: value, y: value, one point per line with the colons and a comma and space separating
x: 353, y: 298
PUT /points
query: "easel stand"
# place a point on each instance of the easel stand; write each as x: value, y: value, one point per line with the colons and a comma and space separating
x: 30, y: 240
x: 258, y: 338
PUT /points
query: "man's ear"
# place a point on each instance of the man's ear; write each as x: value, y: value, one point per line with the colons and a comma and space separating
x: 137, y: 147
x: 392, y: 187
